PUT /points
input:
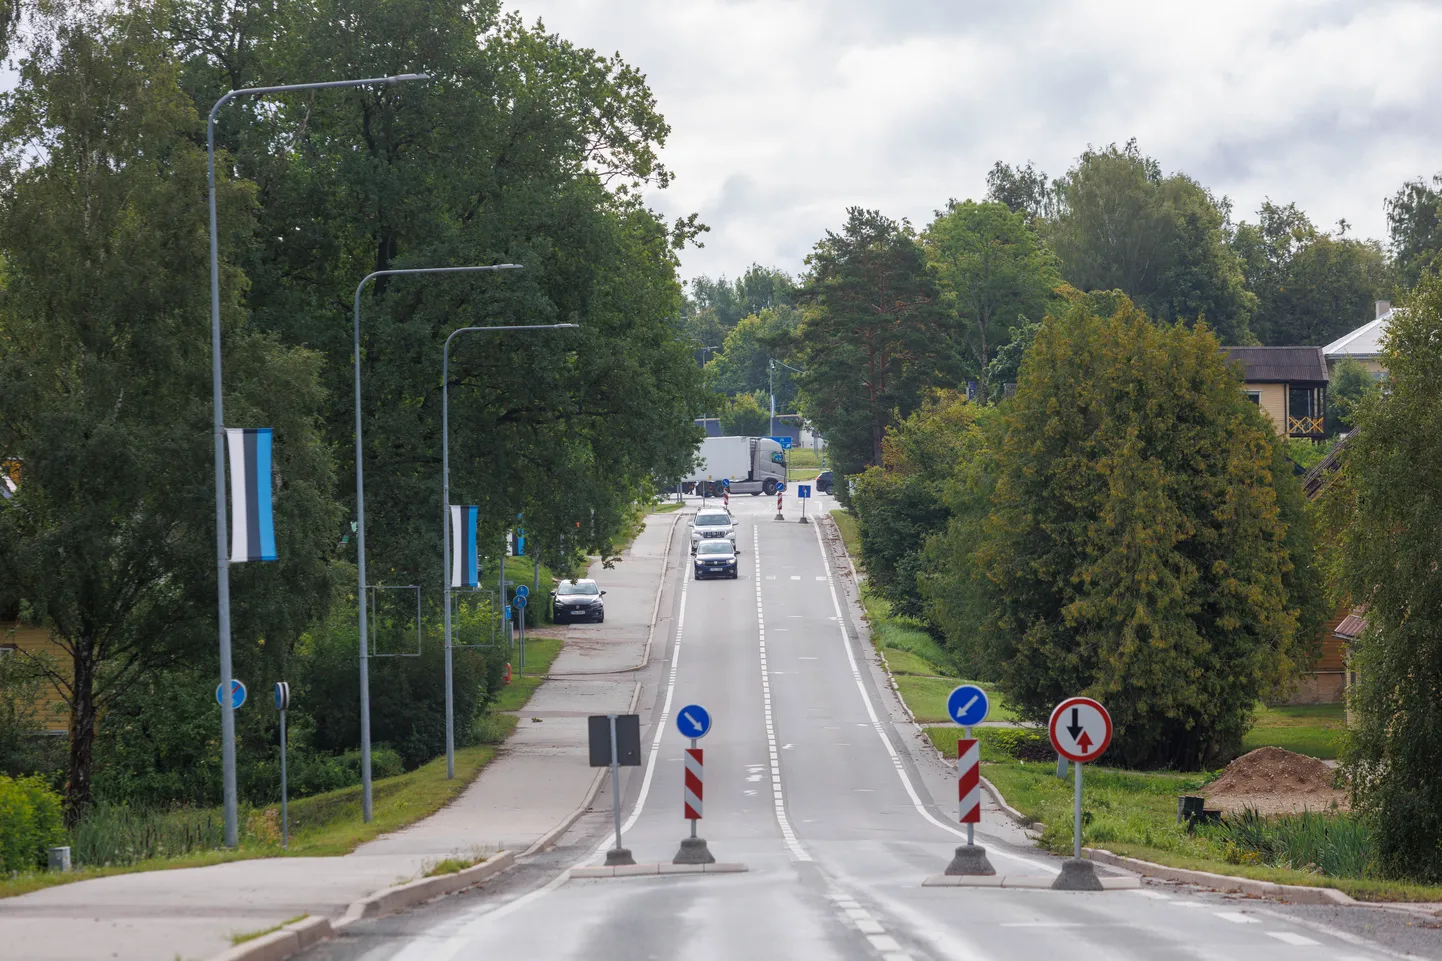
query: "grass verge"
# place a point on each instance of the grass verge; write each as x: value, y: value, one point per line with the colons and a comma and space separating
x: 252, y: 935
x: 1314, y: 729
x: 453, y: 866
x: 540, y: 654
x: 850, y: 534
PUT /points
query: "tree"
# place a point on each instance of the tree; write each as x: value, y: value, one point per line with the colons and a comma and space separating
x: 747, y: 415
x: 745, y: 365
x: 1147, y: 543
x: 993, y: 273
x: 1385, y: 507
x: 1005, y: 367
x: 105, y: 358
x: 902, y: 502
x: 1351, y: 385
x: 871, y: 340
x: 1311, y: 286
x: 1414, y: 220
x: 1121, y: 225
x: 1024, y: 190
x: 716, y: 307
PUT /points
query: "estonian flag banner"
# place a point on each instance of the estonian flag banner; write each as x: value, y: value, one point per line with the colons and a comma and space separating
x: 252, y: 528
x: 465, y: 571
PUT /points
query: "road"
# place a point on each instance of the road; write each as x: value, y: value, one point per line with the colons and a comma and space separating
x: 812, y: 783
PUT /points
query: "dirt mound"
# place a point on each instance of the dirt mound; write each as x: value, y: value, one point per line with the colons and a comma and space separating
x: 1271, y: 780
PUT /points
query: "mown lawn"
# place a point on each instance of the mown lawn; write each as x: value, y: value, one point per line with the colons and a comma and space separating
x: 926, y: 696
x: 1313, y: 729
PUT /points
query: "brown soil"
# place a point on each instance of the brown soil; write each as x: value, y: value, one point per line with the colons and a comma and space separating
x: 1270, y: 780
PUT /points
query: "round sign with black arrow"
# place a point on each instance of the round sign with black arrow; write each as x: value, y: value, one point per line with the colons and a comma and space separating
x: 1080, y: 729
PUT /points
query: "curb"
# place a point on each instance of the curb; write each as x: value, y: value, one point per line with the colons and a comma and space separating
x: 1018, y: 881
x: 279, y: 945
x: 1295, y: 893
x: 412, y: 893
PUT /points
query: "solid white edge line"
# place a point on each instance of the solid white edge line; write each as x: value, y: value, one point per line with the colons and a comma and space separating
x: 916, y: 801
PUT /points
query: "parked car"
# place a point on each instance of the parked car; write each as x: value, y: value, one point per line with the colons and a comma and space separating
x: 710, y: 524
x: 578, y: 601
x: 824, y: 482
x: 716, y: 558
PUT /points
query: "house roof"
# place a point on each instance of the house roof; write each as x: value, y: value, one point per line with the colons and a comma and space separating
x: 1280, y: 365
x: 1352, y: 625
x: 1364, y: 343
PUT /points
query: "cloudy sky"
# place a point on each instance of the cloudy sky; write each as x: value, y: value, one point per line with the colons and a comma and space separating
x: 785, y: 112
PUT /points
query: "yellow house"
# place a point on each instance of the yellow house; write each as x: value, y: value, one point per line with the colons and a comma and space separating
x: 19, y: 640
x: 1289, y: 383
x: 1364, y: 344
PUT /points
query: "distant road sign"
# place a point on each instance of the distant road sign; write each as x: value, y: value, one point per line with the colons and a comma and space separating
x: 967, y: 705
x: 693, y: 720
x: 237, y: 693
x: 785, y: 442
x: 1080, y: 729
x: 803, y: 490
x: 508, y: 612
x: 523, y: 591
x: 282, y: 696
x: 519, y: 600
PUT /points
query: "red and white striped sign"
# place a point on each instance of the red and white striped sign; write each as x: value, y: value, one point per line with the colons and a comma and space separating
x: 968, y: 780
x: 693, y: 784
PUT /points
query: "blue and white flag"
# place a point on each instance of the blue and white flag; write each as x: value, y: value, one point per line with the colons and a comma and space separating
x: 465, y: 571
x: 252, y: 527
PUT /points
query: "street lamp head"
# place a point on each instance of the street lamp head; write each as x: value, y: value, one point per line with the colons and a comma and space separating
x: 408, y: 76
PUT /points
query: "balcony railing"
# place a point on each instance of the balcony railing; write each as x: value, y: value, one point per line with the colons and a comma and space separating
x: 1305, y: 426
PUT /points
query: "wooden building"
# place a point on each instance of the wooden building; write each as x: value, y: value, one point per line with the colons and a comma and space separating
x: 1289, y: 383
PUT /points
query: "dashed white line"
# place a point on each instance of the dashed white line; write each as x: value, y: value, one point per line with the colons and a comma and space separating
x: 787, y: 834
x: 1236, y: 917
x: 1287, y: 937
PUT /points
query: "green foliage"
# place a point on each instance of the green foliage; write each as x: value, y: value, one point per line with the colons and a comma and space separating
x: 1305, y: 453
x: 1144, y: 547
x: 994, y: 274
x: 1316, y: 730
x: 1024, y: 190
x: 747, y: 415
x: 119, y: 834
x: 30, y: 822
x: 1335, y: 845
x: 1414, y: 220
x: 872, y: 341
x: 1351, y: 384
x: 901, y: 502
x: 1005, y: 367
x: 1387, y: 511
x: 1121, y: 225
x: 715, y: 308
x: 744, y: 364
x: 25, y: 748
x: 1311, y: 286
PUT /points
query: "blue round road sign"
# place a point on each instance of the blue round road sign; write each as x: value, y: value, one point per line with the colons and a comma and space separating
x: 523, y: 591
x: 237, y: 693
x: 967, y: 705
x: 520, y: 601
x: 693, y: 721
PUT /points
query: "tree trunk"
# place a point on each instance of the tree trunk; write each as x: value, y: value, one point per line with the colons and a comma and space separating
x: 985, y: 354
x: 82, y: 734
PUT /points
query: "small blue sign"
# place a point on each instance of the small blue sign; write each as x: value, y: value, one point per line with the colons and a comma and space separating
x: 282, y: 695
x: 803, y: 490
x: 523, y: 591
x: 520, y: 600
x: 508, y: 612
x: 693, y: 721
x: 237, y: 694
x: 785, y: 442
x: 967, y: 705
x: 726, y: 483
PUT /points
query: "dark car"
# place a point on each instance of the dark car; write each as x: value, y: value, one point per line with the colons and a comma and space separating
x: 578, y: 601
x: 716, y: 558
x: 824, y: 482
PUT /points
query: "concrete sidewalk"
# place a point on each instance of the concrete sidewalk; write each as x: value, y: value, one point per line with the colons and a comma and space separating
x: 536, y: 787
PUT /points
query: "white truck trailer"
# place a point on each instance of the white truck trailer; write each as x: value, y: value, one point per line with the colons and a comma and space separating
x: 752, y: 465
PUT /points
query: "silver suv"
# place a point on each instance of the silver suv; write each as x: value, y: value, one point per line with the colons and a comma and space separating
x: 712, y: 523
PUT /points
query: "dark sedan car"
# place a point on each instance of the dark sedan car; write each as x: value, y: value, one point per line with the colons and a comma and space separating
x: 716, y: 558
x: 824, y: 482
x: 578, y: 601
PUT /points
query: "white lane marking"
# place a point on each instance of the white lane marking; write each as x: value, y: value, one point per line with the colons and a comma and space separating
x: 883, y: 942
x: 1041, y: 924
x: 1287, y: 937
x: 821, y: 577
x: 881, y: 733
x: 787, y: 834
x: 857, y: 913
x: 796, y: 577
x: 1154, y: 895
x: 1355, y: 940
x: 867, y: 926
x: 1236, y: 917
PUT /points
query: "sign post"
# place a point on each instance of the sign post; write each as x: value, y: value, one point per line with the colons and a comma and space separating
x: 615, y: 740
x: 523, y: 597
x: 282, y: 704
x: 1080, y: 730
x: 803, y: 492
x: 694, y: 722
x: 968, y: 705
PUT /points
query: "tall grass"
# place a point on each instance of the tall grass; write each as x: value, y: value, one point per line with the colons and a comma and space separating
x: 116, y: 834
x: 1335, y: 845
x: 902, y: 634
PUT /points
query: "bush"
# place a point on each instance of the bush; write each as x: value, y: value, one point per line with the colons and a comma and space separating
x: 1020, y: 743
x: 1336, y: 845
x: 30, y: 822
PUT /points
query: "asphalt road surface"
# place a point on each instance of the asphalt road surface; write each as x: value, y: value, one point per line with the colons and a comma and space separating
x: 811, y: 783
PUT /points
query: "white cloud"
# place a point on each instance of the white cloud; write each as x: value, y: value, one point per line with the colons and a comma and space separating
x: 785, y: 112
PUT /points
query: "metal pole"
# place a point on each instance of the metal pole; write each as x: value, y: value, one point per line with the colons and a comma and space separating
x: 521, y: 612
x: 771, y: 388
x: 222, y: 561
x: 970, y: 836
x: 693, y: 820
x: 615, y: 782
x: 1077, y: 814
x: 445, y: 551
x: 284, y: 805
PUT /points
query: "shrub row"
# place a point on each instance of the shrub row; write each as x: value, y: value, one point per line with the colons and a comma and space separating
x: 30, y: 822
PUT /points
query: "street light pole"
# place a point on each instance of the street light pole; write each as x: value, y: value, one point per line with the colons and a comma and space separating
x: 222, y: 559
x: 446, y: 512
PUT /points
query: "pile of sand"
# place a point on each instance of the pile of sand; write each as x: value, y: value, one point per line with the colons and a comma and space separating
x: 1270, y: 780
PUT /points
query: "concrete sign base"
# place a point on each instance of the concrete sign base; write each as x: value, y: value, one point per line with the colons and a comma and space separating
x: 1077, y: 875
x: 694, y: 851
x: 970, y: 859
x: 617, y: 856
